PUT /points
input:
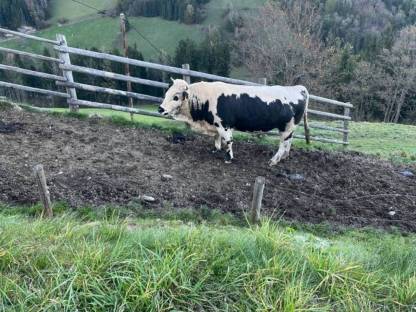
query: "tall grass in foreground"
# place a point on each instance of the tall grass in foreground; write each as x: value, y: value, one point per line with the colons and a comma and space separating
x: 65, y: 265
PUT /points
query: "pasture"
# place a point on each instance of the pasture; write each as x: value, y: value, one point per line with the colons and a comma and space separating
x: 91, y: 162
x: 113, y: 264
x: 86, y: 30
x: 191, y: 249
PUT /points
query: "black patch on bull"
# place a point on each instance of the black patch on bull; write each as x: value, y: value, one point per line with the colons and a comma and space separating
x: 299, y: 108
x: 247, y: 113
x: 201, y: 112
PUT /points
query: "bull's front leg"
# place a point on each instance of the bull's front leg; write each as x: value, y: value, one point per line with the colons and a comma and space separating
x: 226, y: 135
x: 218, y: 143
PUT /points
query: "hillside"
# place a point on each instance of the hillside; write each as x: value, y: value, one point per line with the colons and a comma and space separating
x: 86, y: 29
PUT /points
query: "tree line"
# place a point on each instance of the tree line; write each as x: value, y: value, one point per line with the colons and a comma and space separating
x: 186, y: 11
x: 15, y: 13
x: 358, y: 51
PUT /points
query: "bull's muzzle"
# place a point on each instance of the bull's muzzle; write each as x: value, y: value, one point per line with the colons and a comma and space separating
x: 161, y: 110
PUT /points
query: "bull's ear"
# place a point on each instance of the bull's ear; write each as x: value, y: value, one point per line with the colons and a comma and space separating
x: 185, y: 95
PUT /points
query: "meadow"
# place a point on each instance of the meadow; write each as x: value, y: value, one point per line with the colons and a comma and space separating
x: 103, y: 262
x: 86, y: 29
x: 128, y: 258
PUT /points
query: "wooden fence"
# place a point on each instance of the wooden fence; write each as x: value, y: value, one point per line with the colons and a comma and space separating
x: 64, y: 51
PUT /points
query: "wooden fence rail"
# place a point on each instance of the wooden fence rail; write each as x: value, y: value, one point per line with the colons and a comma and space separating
x: 31, y: 89
x: 67, y: 80
x: 111, y: 75
x: 149, y: 65
x: 23, y: 35
x: 31, y: 72
x: 91, y: 88
x: 30, y: 55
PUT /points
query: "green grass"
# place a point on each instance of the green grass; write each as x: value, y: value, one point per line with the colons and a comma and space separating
x: 114, y: 264
x: 87, y: 30
x: 74, y: 11
x: 103, y: 33
x: 394, y: 142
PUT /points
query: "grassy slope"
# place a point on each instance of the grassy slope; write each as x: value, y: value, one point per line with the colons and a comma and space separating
x: 103, y: 32
x: 74, y: 11
x: 114, y: 265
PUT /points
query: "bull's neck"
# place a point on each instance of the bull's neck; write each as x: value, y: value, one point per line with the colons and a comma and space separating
x: 185, y: 111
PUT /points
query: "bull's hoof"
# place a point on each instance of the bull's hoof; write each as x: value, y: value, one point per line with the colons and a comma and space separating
x: 273, y: 163
x: 215, y: 151
x: 228, y: 162
x: 228, y: 158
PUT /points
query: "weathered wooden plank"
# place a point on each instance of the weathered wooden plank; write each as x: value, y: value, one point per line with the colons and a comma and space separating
x: 185, y: 77
x: 329, y: 115
x: 106, y: 74
x: 91, y: 88
x: 329, y: 101
x: 118, y: 108
x: 31, y: 55
x: 322, y: 127
x: 319, y: 139
x: 31, y: 72
x: 43, y: 191
x: 346, y: 124
x: 23, y: 35
x: 150, y: 65
x: 257, y: 199
x: 65, y: 58
x: 31, y: 89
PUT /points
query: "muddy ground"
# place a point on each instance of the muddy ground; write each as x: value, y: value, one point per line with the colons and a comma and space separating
x: 91, y: 162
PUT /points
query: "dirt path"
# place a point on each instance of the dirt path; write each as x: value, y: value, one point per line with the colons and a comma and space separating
x: 92, y: 162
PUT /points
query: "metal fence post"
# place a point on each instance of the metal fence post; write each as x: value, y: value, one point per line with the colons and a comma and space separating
x: 66, y: 60
x: 186, y: 78
x: 346, y: 125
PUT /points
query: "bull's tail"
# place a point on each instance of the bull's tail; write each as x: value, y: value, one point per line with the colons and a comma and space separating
x: 305, y: 121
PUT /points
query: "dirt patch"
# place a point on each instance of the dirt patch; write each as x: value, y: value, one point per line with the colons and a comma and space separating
x: 94, y: 163
x: 10, y: 127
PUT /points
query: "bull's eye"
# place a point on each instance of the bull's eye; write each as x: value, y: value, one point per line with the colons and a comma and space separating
x: 175, y: 98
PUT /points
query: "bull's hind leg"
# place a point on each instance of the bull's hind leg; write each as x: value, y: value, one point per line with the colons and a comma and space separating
x: 284, y: 148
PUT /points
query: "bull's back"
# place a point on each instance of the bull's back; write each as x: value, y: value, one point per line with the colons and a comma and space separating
x: 250, y: 112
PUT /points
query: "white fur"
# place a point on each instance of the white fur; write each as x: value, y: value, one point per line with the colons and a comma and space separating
x: 211, y: 91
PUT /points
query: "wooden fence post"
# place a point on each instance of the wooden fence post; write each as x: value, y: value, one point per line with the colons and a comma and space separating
x: 185, y: 77
x: 43, y: 191
x: 346, y: 125
x: 126, y: 52
x: 66, y: 60
x: 257, y: 199
x: 263, y: 81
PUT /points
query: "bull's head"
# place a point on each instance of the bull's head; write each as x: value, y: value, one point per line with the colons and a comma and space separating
x: 174, y: 98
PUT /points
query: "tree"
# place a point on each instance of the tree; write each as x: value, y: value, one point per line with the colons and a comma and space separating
x: 282, y: 46
x: 399, y: 65
x: 187, y: 52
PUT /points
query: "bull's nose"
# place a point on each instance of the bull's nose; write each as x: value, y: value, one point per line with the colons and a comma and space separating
x: 161, y: 109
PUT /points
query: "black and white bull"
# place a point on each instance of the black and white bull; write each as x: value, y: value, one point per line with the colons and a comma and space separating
x: 217, y: 108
